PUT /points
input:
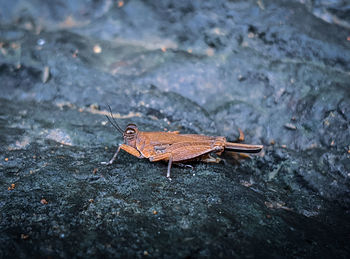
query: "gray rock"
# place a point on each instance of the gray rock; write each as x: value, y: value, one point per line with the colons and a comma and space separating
x: 277, y: 70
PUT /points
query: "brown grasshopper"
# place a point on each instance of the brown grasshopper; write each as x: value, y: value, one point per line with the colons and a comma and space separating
x: 174, y: 147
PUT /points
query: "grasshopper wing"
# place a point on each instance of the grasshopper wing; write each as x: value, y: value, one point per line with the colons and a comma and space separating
x: 188, y: 150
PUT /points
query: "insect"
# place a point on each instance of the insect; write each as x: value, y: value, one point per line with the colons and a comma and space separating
x: 174, y: 147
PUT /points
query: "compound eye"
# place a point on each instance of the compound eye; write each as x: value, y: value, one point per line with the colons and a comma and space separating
x: 130, y: 131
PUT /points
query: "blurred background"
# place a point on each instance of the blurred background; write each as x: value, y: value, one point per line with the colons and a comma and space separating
x: 279, y: 71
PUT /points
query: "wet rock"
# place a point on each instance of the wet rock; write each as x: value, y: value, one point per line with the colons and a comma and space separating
x: 271, y: 69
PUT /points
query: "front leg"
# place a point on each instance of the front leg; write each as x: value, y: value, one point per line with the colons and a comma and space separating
x: 130, y: 150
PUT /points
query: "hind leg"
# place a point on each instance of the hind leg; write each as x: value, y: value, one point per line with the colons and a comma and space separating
x: 210, y: 159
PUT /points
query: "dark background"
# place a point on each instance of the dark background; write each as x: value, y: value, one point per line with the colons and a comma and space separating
x: 277, y: 70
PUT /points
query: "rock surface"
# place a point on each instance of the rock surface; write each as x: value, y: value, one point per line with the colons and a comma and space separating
x: 277, y: 70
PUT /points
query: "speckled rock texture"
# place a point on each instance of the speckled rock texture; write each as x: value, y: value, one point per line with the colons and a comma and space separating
x: 277, y: 70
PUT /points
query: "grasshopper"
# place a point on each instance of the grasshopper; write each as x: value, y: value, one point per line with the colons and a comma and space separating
x: 173, y: 146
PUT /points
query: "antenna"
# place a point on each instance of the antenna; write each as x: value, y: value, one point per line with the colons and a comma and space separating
x: 115, y: 124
